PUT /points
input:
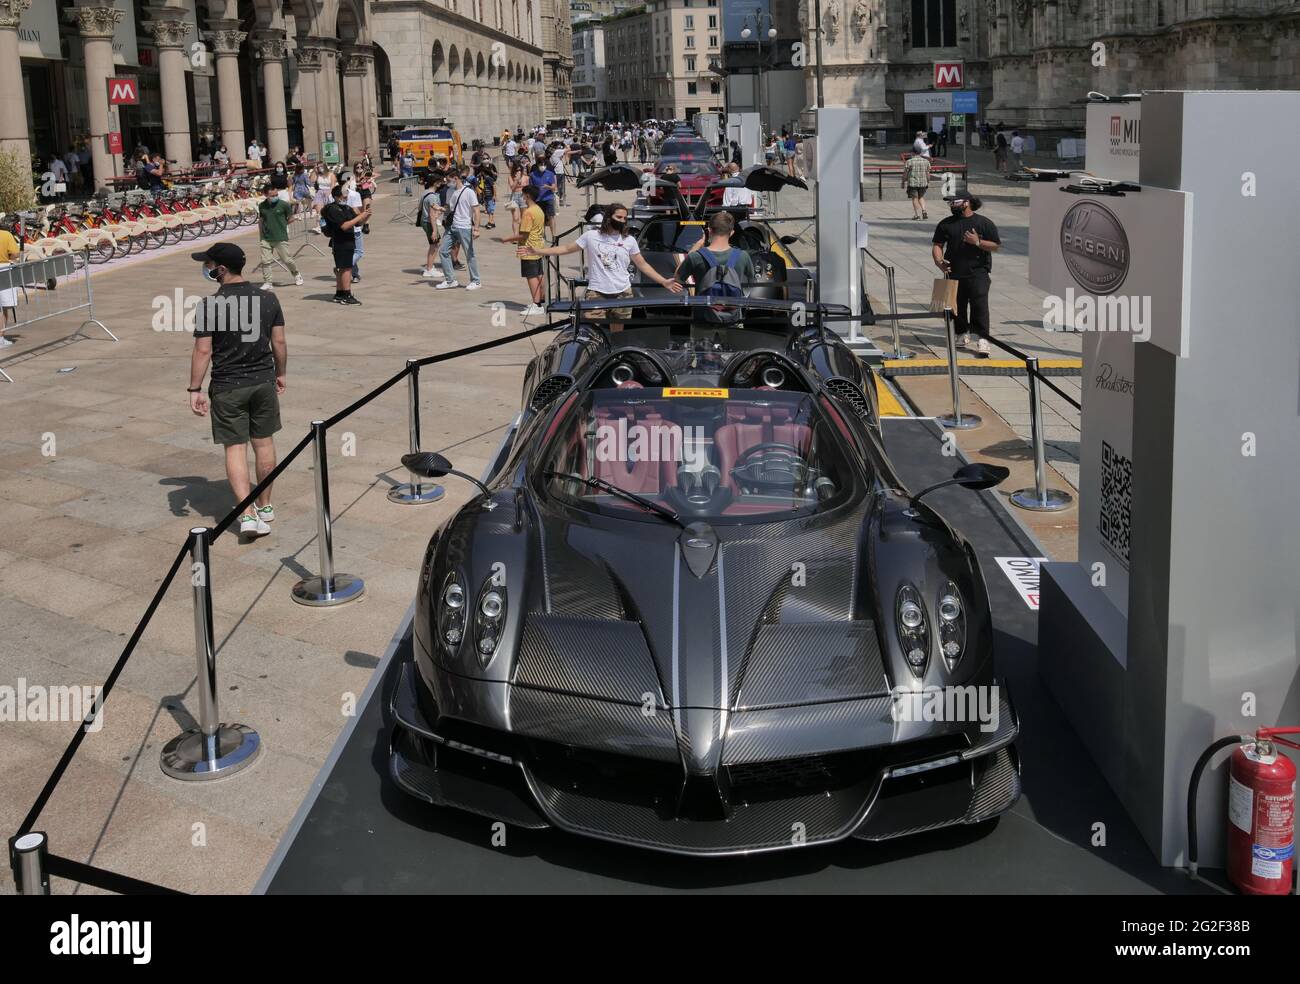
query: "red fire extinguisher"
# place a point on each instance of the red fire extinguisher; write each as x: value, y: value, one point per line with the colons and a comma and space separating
x: 1261, y: 811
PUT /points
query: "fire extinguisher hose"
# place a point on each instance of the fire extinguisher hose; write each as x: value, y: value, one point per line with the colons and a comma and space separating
x: 1201, y: 763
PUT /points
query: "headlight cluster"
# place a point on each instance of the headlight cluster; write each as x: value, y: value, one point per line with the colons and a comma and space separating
x: 489, y: 620
x: 451, y: 612
x: 913, y: 624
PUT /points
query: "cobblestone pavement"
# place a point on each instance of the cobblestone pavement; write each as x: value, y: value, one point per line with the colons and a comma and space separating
x: 1015, y: 308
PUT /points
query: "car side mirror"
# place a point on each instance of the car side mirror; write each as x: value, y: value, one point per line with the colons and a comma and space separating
x: 428, y: 464
x: 976, y: 476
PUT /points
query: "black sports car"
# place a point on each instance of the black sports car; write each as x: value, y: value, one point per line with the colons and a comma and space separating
x: 692, y: 608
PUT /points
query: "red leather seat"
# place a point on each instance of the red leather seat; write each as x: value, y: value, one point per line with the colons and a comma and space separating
x: 659, y: 443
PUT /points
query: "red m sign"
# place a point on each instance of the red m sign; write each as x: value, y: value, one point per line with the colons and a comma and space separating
x: 949, y: 75
x: 123, y: 92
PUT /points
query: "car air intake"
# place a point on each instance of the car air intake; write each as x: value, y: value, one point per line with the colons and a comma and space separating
x: 548, y: 389
x: 847, y: 393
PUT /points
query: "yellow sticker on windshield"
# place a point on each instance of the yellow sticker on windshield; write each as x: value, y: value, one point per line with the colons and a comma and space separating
x: 717, y: 394
x: 693, y: 222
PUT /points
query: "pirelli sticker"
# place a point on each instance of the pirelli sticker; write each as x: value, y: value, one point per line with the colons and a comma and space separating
x: 716, y: 394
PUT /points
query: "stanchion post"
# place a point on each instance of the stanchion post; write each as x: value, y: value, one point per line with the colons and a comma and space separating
x: 1040, y: 498
x: 212, y: 750
x: 414, y: 492
x: 893, y: 313
x: 956, y: 420
x: 28, y: 860
x: 328, y: 588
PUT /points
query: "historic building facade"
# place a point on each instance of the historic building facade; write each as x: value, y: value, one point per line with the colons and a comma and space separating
x: 1034, y: 61
x: 287, y: 72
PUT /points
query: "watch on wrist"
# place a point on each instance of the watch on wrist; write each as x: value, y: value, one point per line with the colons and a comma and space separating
x: 194, y: 389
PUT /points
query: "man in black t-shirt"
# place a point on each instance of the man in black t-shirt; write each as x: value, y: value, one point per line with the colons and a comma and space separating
x: 239, y: 332
x: 963, y: 248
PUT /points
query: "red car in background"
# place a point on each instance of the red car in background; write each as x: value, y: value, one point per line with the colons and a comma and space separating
x: 693, y: 160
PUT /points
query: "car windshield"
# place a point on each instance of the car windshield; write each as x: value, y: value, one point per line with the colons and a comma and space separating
x: 721, y: 455
x: 671, y: 234
x: 689, y: 166
x: 684, y: 148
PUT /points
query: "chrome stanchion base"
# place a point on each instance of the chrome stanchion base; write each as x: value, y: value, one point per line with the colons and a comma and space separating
x: 413, y: 495
x: 902, y: 354
x: 1054, y: 500
x: 312, y: 591
x: 968, y: 420
x: 192, y: 756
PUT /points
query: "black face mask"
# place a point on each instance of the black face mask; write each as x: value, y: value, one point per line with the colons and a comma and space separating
x: 618, y: 225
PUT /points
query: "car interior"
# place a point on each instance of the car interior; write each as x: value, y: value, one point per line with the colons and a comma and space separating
x: 665, y: 242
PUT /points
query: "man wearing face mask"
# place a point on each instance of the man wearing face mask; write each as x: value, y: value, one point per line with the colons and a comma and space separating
x: 963, y: 248
x: 239, y: 332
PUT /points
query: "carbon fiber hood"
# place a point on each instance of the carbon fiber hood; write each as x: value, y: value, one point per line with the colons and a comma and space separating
x: 776, y: 619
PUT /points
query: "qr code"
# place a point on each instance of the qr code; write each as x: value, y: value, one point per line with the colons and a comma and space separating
x: 1116, y: 500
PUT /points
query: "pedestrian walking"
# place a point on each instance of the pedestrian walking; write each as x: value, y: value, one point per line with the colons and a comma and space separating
x: 301, y: 189
x: 239, y: 335
x: 324, y: 181
x: 1000, y: 148
x: 941, y: 141
x: 273, y: 217
x: 530, y: 238
x: 339, y: 219
x: 461, y: 223
x: 357, y: 204
x: 1018, y: 149
x: 920, y: 145
x: 963, y: 248
x: 916, y: 180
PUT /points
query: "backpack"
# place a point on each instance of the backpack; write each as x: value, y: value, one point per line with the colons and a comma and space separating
x: 719, y: 280
x: 422, y: 213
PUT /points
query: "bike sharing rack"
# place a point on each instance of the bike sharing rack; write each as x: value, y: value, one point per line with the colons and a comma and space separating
x: 1177, y: 625
x: 214, y: 750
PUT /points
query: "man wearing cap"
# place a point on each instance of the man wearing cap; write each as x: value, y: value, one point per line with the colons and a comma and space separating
x: 339, y: 220
x: 963, y: 248
x: 239, y: 332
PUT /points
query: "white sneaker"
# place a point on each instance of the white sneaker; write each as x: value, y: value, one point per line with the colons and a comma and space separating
x: 963, y: 341
x: 473, y: 285
x: 251, y: 526
x: 434, y: 274
x: 6, y: 342
x: 266, y: 513
x: 297, y: 281
x: 267, y: 286
x: 983, y: 347
x: 533, y: 309
x: 446, y: 285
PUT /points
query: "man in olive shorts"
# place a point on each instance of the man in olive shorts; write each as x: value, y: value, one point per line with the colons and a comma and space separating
x: 239, y: 332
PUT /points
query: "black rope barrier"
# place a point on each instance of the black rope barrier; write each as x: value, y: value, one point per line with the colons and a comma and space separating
x: 110, y: 881
x: 48, y: 790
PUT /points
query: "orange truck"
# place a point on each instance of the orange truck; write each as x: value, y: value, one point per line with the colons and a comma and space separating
x: 427, y: 143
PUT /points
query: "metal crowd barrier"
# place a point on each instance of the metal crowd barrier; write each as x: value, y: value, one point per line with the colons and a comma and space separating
x: 300, y: 230
x: 895, y: 172
x: 32, y: 279
x: 409, y: 192
x: 899, y: 352
x: 214, y: 749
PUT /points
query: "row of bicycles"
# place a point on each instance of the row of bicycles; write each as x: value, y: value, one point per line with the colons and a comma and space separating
x: 118, y: 224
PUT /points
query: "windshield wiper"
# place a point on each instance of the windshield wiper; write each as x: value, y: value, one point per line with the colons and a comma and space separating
x: 600, y: 483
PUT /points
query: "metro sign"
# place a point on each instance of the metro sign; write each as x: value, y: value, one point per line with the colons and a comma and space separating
x: 123, y: 91
x: 949, y: 75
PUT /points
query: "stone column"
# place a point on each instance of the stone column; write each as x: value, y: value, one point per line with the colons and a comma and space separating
x: 308, y: 57
x: 329, y: 115
x: 357, y: 62
x: 370, y: 87
x: 169, y: 36
x: 13, y: 110
x: 97, y: 25
x: 226, y: 39
x: 270, y: 49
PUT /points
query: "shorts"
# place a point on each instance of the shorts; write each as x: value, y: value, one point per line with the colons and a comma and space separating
x: 916, y: 192
x: 243, y: 412
x: 344, y: 250
x: 548, y: 208
x: 612, y: 314
x: 530, y: 268
x: 429, y: 234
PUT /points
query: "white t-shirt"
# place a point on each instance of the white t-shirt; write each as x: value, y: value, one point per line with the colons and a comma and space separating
x: 558, y: 159
x: 512, y: 148
x: 1017, y: 145
x: 254, y: 153
x: 609, y: 256
x: 739, y: 197
x: 465, y: 201
x: 921, y: 147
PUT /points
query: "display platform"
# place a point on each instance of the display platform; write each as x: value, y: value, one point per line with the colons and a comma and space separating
x: 357, y: 833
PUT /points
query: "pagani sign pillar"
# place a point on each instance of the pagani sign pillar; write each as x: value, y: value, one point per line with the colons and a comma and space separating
x: 1178, y: 623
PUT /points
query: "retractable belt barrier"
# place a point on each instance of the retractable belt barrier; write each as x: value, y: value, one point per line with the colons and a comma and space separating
x: 32, y: 278
x: 215, y: 749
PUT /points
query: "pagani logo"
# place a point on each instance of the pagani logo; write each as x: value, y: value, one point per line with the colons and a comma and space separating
x: 1095, y: 247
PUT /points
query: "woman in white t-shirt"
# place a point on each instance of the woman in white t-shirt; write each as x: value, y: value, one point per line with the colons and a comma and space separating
x: 609, y: 253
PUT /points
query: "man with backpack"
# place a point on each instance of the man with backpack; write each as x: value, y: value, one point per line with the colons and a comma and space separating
x: 718, y: 268
x: 427, y: 217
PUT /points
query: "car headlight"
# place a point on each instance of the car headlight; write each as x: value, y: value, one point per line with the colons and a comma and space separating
x: 451, y: 612
x: 489, y: 620
x: 952, y: 623
x: 913, y: 628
